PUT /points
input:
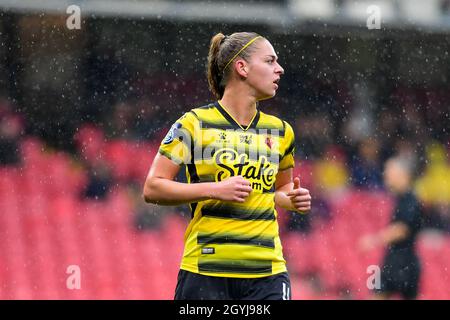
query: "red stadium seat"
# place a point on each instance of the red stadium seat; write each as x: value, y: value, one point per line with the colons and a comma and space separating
x: 298, y: 253
x: 46, y: 227
x: 120, y: 158
x: 90, y: 141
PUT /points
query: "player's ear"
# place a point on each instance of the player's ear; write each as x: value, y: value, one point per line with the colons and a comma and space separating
x: 242, y: 68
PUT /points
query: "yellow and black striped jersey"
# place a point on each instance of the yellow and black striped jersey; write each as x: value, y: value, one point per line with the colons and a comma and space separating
x: 226, y: 238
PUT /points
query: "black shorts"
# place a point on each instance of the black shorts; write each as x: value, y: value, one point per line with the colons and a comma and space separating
x: 193, y: 286
x: 400, y: 275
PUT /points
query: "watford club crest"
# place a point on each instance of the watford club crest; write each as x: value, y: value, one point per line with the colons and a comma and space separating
x: 269, y: 142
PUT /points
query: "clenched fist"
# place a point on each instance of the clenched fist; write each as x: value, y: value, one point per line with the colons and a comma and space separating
x: 300, y: 197
x: 232, y: 189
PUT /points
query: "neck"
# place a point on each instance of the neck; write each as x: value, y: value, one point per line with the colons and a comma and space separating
x: 240, y: 105
x: 402, y: 189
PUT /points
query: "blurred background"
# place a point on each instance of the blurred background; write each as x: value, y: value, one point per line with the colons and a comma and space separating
x: 83, y: 110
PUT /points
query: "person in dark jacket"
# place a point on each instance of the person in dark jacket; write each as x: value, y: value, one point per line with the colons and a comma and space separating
x: 401, y: 268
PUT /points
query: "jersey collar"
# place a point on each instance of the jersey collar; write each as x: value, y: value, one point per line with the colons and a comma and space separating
x: 233, y: 122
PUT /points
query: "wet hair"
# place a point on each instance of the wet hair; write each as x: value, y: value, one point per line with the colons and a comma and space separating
x: 222, y: 48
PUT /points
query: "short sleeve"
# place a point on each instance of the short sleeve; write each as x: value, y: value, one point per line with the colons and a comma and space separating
x: 177, y: 145
x: 288, y: 148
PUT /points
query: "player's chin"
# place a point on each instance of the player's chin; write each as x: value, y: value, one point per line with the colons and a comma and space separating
x: 267, y: 95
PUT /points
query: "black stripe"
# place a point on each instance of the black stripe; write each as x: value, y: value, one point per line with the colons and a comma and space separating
x: 192, y: 170
x: 235, y: 267
x: 207, y: 178
x: 195, y: 115
x: 288, y: 167
x: 255, y: 121
x: 289, y: 149
x: 291, y: 146
x: 236, y: 213
x: 232, y: 239
x: 208, y: 106
x: 193, y: 206
x: 170, y: 156
x: 207, y: 124
x: 184, y: 136
x: 252, y: 153
x: 271, y: 190
x: 271, y: 131
x: 227, y: 116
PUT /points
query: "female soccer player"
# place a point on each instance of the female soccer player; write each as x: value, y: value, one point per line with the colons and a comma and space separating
x: 239, y: 164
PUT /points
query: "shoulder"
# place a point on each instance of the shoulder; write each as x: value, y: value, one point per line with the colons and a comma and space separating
x: 208, y: 106
x: 194, y: 114
x: 204, y: 112
x: 191, y: 119
x: 266, y: 120
x: 274, y: 122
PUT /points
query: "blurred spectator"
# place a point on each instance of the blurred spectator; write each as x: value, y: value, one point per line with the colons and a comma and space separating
x: 331, y: 172
x: 387, y: 131
x: 99, y: 181
x: 313, y: 134
x: 329, y: 179
x: 366, y: 166
x: 108, y: 75
x: 11, y: 127
x: 412, y: 124
x: 400, y: 272
x: 146, y: 216
x: 90, y: 141
x: 360, y: 124
x: 433, y: 187
x: 121, y: 123
x: 151, y: 122
x: 405, y: 149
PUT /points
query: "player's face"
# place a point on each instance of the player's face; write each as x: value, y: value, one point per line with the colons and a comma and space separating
x: 394, y: 176
x: 264, y: 70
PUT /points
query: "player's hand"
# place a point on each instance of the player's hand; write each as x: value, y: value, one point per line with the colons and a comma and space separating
x: 233, y: 189
x: 367, y: 243
x: 300, y: 197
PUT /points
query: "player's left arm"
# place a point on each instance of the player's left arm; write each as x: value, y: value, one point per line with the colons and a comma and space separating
x: 399, y: 229
x: 393, y: 233
x: 289, y: 194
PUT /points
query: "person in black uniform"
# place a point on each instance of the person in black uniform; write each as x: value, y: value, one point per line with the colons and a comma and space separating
x: 401, y: 266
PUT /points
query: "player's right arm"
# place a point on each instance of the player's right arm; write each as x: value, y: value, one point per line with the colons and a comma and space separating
x: 175, y: 150
x: 160, y: 187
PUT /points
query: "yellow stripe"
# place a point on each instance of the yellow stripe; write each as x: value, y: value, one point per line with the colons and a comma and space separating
x: 224, y: 252
x: 262, y: 228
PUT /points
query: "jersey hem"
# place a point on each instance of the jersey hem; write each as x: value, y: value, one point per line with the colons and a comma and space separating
x: 234, y: 275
